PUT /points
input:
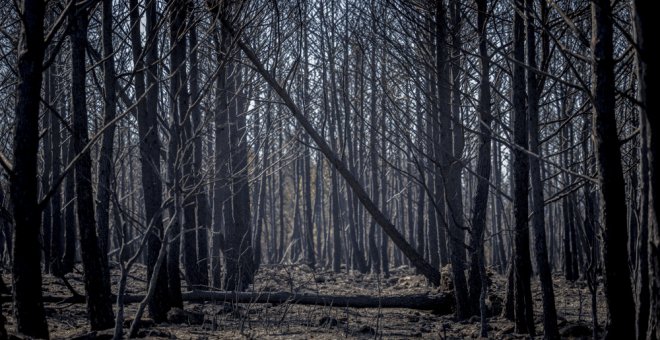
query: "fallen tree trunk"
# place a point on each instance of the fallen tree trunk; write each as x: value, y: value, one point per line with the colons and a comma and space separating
x: 441, y: 304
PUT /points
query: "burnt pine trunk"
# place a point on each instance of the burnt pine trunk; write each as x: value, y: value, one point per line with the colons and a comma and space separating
x: 107, y: 147
x: 57, y: 232
x: 147, y: 96
x: 617, y: 282
x: 70, y: 241
x: 178, y: 154
x: 374, y: 257
x: 538, y: 213
x: 480, y: 205
x: 239, y: 251
x: 203, y: 216
x: 522, y: 267
x: 96, y: 279
x: 26, y: 267
x: 46, y: 226
x: 184, y: 153
x: 448, y: 191
x: 220, y: 191
x: 310, y: 256
x: 645, y: 26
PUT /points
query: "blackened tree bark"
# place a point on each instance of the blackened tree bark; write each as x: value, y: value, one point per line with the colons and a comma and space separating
x: 97, y: 282
x: 384, y: 257
x: 178, y: 157
x: 46, y: 225
x: 150, y: 148
x: 447, y: 175
x: 26, y: 267
x: 645, y: 26
x: 617, y: 283
x: 182, y: 134
x: 221, y: 143
x: 538, y: 213
x: 239, y: 252
x: 310, y: 256
x: 522, y: 267
x: 357, y: 256
x: 56, y: 242
x: 107, y: 146
x: 203, y: 216
x: 70, y: 241
x: 480, y: 205
x: 374, y: 258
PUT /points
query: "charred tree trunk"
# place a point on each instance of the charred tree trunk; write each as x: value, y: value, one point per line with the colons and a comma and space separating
x: 522, y: 267
x: 538, y: 213
x: 203, y: 216
x: 480, y: 205
x: 56, y: 242
x: 26, y: 267
x: 645, y: 26
x: 104, y: 187
x: 97, y: 282
x: 617, y: 282
x: 239, y: 251
x: 147, y: 118
x: 450, y: 203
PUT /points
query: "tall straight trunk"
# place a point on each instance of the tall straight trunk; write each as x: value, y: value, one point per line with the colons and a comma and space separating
x: 221, y: 153
x: 279, y: 244
x: 318, y: 211
x: 617, y: 282
x: 498, y: 230
x: 296, y: 232
x: 96, y: 279
x: 357, y: 257
x: 421, y: 192
x: 480, y: 205
x: 569, y: 273
x: 57, y: 232
x: 522, y: 267
x: 104, y: 186
x: 455, y: 171
x: 310, y: 257
x: 538, y: 217
x: 434, y: 231
x: 46, y: 226
x: 645, y: 26
x: 26, y: 267
x: 374, y: 257
x: 180, y: 162
x: 203, y: 215
x: 70, y: 241
x: 335, y: 140
x: 185, y: 151
x: 146, y: 94
x: 239, y: 252
x: 384, y: 254
x: 448, y: 190
x: 566, y: 208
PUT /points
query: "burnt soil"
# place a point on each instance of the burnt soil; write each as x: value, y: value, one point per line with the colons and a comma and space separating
x: 223, y: 320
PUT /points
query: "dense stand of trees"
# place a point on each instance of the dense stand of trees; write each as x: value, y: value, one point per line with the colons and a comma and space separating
x: 207, y: 138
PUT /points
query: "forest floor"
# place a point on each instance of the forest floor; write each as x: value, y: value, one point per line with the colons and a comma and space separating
x: 291, y: 321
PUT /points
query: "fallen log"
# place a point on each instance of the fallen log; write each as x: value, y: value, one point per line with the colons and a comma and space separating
x: 440, y: 304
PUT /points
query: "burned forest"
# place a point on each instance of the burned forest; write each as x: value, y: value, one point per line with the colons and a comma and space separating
x: 388, y: 169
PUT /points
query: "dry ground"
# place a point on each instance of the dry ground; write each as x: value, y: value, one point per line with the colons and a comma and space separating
x: 290, y: 321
